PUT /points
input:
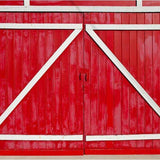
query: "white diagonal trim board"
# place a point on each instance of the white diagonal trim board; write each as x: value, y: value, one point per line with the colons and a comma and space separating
x: 122, y: 69
x: 40, y: 73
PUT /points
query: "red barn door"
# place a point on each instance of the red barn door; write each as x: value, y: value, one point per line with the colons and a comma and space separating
x: 47, y: 117
x: 121, y: 107
x: 68, y: 91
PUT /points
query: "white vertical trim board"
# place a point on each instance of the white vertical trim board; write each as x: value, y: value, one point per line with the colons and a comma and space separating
x: 46, y: 66
x: 123, y: 137
x: 139, y: 3
x: 90, y: 29
x: 16, y: 137
x: 26, y: 2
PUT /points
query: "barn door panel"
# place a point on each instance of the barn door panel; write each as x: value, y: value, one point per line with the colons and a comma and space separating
x: 122, y: 102
x: 48, y: 119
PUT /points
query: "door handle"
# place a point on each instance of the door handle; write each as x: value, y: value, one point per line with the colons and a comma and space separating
x: 85, y: 77
x: 80, y: 76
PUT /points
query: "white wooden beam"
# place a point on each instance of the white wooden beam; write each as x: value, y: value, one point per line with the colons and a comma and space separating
x: 122, y: 137
x: 123, y: 26
x: 26, y: 3
x: 139, y: 3
x: 17, y: 137
x: 129, y: 9
x: 40, y: 26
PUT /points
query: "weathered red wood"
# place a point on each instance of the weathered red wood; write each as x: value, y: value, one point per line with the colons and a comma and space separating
x: 41, y: 152
x: 84, y: 3
x: 133, y: 69
x: 50, y: 108
x: 127, y: 112
x: 100, y: 101
x: 122, y: 151
x: 151, y: 3
x: 156, y: 72
x: 140, y: 67
x: 87, y: 91
x: 148, y: 77
x: 117, y: 81
x: 12, y: 2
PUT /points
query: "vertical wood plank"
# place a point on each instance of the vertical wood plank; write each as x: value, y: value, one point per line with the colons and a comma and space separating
x: 42, y: 87
x: 94, y: 69
x: 12, y: 95
x: 87, y: 91
x: 65, y: 85
x: 57, y: 83
x: 141, y: 80
x: 133, y: 70
x: 117, y: 81
x: 49, y: 79
x: 34, y: 69
x: 18, y: 81
x: 148, y: 77
x: 80, y: 84
x: 9, y: 77
x: 26, y: 79
x: 4, y: 65
x: 102, y: 122
x: 110, y: 81
x: 125, y: 84
x: 156, y: 72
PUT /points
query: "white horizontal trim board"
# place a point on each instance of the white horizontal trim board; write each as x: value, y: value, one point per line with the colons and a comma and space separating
x: 40, y: 26
x: 120, y: 66
x: 16, y: 137
x: 123, y: 137
x: 123, y: 26
x: 78, y: 9
x: 43, y: 70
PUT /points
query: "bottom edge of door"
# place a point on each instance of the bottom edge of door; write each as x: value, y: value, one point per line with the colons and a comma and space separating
x: 121, y: 151
x: 42, y: 153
